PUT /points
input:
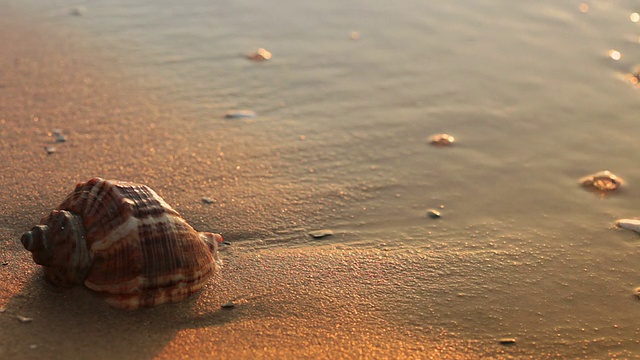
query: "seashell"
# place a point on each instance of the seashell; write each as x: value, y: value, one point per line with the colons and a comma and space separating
x: 259, y: 55
x: 434, y: 214
x: 507, y: 341
x: 441, y: 139
x: 630, y: 224
x: 123, y: 240
x: 602, y: 181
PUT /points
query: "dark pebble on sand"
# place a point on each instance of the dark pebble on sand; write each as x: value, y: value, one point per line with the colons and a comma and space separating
x: 59, y: 136
x: 50, y: 149
x: 207, y: 200
x: 78, y: 11
x: 228, y: 305
x: 240, y: 114
x: 507, y: 341
x: 434, y: 214
x: 317, y: 234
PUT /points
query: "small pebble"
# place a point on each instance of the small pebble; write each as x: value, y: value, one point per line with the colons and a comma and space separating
x: 33, y: 346
x: 228, y: 305
x: 434, y: 214
x: 240, y: 114
x: 259, y: 55
x: 226, y: 243
x: 207, y: 200
x: 77, y: 11
x: 507, y: 341
x: 59, y: 136
x: 50, y: 149
x: 24, y: 319
x: 317, y: 234
x: 2, y: 309
x: 441, y: 139
x: 355, y: 35
x: 4, y: 263
x: 636, y: 293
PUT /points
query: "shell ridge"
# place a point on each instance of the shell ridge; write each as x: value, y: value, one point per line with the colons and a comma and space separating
x: 116, y: 235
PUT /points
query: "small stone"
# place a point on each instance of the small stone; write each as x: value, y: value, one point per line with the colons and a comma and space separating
x: 441, y: 139
x: 434, y: 214
x: 317, y: 234
x: 259, y: 55
x: 207, y: 200
x: 636, y: 293
x: 24, y: 319
x: 355, y: 35
x: 507, y: 341
x: 4, y: 263
x: 77, y: 11
x: 226, y: 243
x: 33, y: 346
x: 228, y: 305
x: 60, y: 137
x: 240, y: 114
x: 50, y: 149
x: 2, y: 309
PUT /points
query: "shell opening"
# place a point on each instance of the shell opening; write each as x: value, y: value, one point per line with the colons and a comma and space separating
x: 212, y: 240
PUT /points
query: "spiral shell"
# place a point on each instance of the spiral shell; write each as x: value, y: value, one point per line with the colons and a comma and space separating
x: 124, y: 240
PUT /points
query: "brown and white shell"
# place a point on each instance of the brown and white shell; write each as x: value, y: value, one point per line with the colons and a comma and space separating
x: 124, y: 240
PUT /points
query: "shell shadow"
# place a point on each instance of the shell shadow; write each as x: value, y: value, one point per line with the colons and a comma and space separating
x: 78, y: 323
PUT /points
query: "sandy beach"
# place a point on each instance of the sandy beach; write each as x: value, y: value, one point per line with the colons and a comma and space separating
x: 329, y: 302
x: 523, y: 263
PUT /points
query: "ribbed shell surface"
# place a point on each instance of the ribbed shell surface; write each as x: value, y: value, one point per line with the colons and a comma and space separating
x: 143, y: 252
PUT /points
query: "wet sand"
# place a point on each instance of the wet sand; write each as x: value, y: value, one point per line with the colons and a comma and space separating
x: 521, y: 262
x: 324, y: 302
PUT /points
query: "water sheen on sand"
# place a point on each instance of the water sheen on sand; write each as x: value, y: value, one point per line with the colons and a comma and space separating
x: 529, y: 90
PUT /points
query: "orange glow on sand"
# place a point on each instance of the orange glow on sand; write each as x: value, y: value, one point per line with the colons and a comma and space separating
x: 584, y: 8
